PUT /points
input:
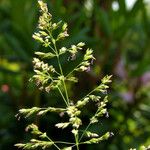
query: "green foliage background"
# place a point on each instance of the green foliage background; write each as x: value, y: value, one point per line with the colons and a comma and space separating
x: 121, y: 43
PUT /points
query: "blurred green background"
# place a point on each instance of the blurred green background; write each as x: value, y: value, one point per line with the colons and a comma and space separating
x: 119, y: 33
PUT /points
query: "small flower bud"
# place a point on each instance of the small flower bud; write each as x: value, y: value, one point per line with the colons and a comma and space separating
x: 64, y: 27
x: 81, y: 44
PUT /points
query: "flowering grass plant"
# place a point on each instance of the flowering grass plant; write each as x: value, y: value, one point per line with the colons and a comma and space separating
x: 48, y: 78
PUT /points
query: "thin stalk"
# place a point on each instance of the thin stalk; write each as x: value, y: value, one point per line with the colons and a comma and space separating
x: 59, y: 91
x: 49, y: 107
x: 53, y: 143
x: 84, y: 132
x: 63, y: 79
x: 77, y: 141
x: 57, y: 73
x: 60, y: 67
x: 88, y: 93
x: 49, y: 44
x: 52, y: 49
x: 73, y: 70
x: 61, y: 142
x: 62, y: 96
x: 78, y: 144
x: 86, y: 128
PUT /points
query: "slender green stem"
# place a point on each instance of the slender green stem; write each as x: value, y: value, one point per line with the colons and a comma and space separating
x: 52, y: 49
x: 84, y: 132
x: 62, y: 142
x: 60, y: 67
x: 73, y: 70
x: 63, y: 79
x: 88, y: 94
x: 49, y: 107
x: 53, y: 143
x: 57, y: 73
x: 66, y: 91
x: 87, y: 128
x: 62, y: 96
x: 61, y: 71
x: 51, y: 38
x: 60, y: 92
x: 77, y: 141
x: 78, y: 144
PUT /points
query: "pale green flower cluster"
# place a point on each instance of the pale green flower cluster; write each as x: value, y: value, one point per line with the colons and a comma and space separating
x: 48, y: 78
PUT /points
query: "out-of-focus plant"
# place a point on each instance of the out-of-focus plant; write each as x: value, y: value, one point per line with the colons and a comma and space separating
x: 119, y: 36
x: 50, y: 77
x: 141, y: 148
x: 16, y: 49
